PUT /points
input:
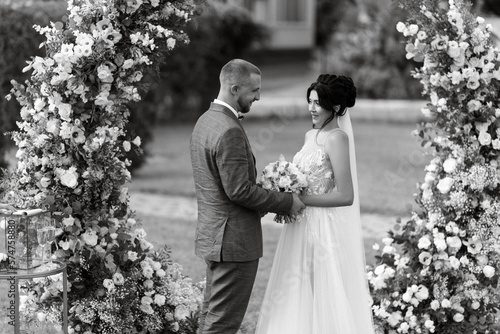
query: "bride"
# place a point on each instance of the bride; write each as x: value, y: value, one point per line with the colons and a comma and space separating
x: 317, y: 283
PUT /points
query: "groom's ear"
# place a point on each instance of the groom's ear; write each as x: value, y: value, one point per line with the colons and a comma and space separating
x: 234, y: 89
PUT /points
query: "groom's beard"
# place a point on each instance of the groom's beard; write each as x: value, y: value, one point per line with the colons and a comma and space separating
x: 244, y: 107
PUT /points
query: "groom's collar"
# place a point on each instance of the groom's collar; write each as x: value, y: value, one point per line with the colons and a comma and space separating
x: 227, y: 106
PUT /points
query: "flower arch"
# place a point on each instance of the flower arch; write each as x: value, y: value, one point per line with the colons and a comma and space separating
x: 71, y: 146
x: 446, y: 278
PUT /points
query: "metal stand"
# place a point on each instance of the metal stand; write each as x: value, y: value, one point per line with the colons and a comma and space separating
x: 22, y: 274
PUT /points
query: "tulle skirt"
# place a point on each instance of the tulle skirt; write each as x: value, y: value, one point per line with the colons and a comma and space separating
x: 306, y: 292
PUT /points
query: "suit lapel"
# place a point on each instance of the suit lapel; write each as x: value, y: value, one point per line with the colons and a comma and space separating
x: 229, y: 113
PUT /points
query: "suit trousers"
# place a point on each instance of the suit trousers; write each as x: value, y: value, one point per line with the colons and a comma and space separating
x: 227, y: 293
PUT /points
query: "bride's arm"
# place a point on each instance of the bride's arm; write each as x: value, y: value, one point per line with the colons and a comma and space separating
x: 337, y: 149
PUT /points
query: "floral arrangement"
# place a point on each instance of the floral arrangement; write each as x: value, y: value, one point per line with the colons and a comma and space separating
x: 71, y: 146
x: 440, y: 274
x: 283, y: 176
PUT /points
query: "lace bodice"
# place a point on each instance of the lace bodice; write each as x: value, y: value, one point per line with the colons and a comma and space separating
x: 313, y: 160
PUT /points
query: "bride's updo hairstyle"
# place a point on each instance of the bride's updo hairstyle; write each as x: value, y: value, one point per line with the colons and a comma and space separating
x: 332, y: 91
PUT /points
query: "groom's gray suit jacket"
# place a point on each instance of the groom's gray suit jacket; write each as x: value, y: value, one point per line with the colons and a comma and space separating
x: 229, y: 200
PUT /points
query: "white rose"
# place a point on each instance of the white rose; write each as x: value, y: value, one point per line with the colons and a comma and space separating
x: 146, y: 300
x: 413, y: 29
x: 435, y: 305
x: 454, y: 242
x: 128, y: 64
x: 70, y: 221
x: 489, y: 271
x: 132, y: 256
x: 160, y: 273
x: 181, y: 312
x: 108, y: 284
x: 450, y: 165
x: 453, y: 49
x: 65, y: 111
x: 126, y: 145
x: 484, y: 138
x: 90, y: 238
x: 445, y: 303
x: 454, y: 262
x: 159, y: 300
x: 444, y: 185
x: 69, y: 178
x: 424, y: 242
x: 41, y: 316
x: 118, y: 279
x: 400, y: 27
x: 458, y: 317
x: 496, y: 144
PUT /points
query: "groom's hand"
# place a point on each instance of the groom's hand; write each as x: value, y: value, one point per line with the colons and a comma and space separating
x: 297, y: 206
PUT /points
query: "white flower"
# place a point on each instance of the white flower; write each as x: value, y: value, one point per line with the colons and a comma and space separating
x: 170, y: 43
x: 139, y: 233
x: 484, y: 138
x: 126, y: 145
x: 453, y: 49
x: 137, y: 141
x: 160, y: 273
x: 90, y: 237
x: 489, y: 271
x: 118, y: 279
x: 435, y: 305
x: 445, y: 303
x: 148, y: 284
x: 132, y: 256
x: 413, y: 29
x: 458, y: 317
x: 400, y: 27
x: 424, y: 242
x: 394, y: 319
x: 450, y: 165
x: 108, y: 284
x: 425, y: 258
x: 146, y: 300
x: 181, y: 312
x: 41, y: 316
x: 65, y: 111
x: 159, y: 300
x: 444, y: 185
x: 454, y: 242
x: 69, y: 178
x: 69, y: 221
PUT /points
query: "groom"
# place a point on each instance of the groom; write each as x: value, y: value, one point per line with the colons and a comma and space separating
x: 229, y: 233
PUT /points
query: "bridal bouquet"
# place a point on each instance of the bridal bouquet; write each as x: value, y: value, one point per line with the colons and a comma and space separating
x: 283, y: 176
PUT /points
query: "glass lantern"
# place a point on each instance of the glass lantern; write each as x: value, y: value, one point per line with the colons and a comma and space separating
x: 20, y: 247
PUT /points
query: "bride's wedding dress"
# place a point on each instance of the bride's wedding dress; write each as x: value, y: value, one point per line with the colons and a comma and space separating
x: 317, y: 283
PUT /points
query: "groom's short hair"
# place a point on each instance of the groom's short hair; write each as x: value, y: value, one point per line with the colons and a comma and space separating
x: 237, y: 71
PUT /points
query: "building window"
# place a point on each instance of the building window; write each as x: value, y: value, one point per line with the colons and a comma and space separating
x: 291, y: 10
